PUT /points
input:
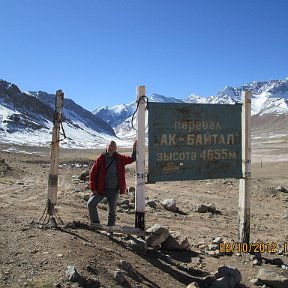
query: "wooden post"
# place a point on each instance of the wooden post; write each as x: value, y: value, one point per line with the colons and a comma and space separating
x: 244, y: 183
x: 140, y: 162
x: 54, y: 153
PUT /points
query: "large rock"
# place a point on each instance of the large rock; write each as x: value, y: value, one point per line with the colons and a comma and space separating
x: 228, y: 277
x: 205, y: 208
x: 281, y: 189
x: 158, y: 235
x: 73, y: 274
x: 169, y: 204
x: 84, y: 176
x: 273, y: 279
x: 175, y: 241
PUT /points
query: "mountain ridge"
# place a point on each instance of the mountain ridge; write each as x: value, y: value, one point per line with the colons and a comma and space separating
x: 267, y: 97
x: 26, y: 117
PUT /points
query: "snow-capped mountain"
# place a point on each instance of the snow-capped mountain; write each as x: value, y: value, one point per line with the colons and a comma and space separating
x: 268, y: 97
x: 115, y: 115
x: 26, y: 118
x: 160, y: 98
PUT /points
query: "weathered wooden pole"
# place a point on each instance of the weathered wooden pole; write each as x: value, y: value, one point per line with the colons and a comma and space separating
x: 54, y: 153
x: 244, y: 183
x: 140, y: 160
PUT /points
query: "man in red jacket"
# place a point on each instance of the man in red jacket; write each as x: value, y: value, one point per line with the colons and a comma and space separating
x: 107, y: 179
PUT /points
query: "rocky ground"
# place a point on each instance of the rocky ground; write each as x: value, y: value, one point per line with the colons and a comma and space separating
x: 202, y: 218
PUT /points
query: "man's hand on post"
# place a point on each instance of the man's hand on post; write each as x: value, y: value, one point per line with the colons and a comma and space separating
x: 135, y: 145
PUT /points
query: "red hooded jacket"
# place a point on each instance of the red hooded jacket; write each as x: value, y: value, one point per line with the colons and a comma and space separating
x: 97, y: 172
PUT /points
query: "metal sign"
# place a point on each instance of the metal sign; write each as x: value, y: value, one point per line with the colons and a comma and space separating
x: 194, y: 141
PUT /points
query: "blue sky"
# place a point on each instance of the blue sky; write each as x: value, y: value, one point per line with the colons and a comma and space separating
x: 98, y: 51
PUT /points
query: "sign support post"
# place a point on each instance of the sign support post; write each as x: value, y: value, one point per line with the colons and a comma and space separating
x: 140, y: 162
x: 54, y: 154
x: 244, y: 183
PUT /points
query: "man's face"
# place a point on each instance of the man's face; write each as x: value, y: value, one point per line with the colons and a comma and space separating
x: 111, y: 148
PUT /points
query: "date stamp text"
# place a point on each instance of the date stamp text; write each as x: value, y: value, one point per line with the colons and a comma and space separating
x: 258, y: 247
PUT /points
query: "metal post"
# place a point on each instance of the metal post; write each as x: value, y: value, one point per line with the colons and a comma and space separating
x: 54, y: 153
x: 244, y: 183
x: 140, y: 162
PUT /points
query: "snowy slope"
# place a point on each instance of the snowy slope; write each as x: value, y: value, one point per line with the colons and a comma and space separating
x: 26, y: 118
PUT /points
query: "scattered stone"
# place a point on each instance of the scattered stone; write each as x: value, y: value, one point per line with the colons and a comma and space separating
x: 256, y: 262
x: 119, y: 277
x: 4, y: 167
x: 201, y: 208
x: 213, y: 247
x: 227, y: 277
x: 152, y: 203
x: 125, y: 265
x: 83, y: 195
x: 86, y: 196
x: 281, y: 189
x: 158, y: 235
x: 124, y: 202
x: 202, y: 246
x: 73, y: 274
x: 169, y: 204
x: 75, y: 180
x: 217, y: 240
x: 212, y: 253
x: 284, y: 266
x: 272, y: 278
x: 84, y: 176
x: 138, y: 245
x: 131, y: 189
x: 125, y: 207
x: 205, y: 208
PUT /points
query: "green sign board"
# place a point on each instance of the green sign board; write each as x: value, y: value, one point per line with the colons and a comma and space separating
x: 194, y: 141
